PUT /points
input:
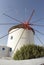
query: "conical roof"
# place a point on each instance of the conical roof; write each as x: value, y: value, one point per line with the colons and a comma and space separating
x: 21, y: 26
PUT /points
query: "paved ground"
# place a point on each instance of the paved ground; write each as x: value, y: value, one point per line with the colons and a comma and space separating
x: 38, y: 61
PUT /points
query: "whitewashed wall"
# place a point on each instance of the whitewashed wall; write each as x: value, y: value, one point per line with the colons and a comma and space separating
x: 22, y: 62
x: 27, y: 37
x: 5, y: 51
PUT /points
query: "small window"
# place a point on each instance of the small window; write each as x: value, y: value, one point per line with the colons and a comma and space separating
x: 10, y: 49
x: 11, y: 37
x: 3, y: 49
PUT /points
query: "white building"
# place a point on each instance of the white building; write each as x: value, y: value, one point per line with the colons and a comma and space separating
x: 19, y: 36
x: 5, y: 51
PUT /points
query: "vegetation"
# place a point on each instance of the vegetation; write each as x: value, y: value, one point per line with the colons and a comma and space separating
x: 29, y: 52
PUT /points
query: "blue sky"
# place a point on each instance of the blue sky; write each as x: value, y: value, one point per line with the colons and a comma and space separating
x: 21, y: 9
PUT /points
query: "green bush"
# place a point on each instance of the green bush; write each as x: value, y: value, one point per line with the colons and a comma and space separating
x: 29, y: 52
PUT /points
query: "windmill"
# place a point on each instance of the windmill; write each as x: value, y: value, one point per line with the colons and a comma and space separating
x: 22, y: 32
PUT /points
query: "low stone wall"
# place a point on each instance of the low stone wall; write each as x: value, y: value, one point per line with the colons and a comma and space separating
x: 38, y: 61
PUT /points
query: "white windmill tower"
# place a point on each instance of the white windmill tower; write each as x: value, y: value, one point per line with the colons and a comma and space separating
x: 21, y: 36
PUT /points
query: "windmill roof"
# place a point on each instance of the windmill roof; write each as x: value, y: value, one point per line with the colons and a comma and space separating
x: 21, y: 26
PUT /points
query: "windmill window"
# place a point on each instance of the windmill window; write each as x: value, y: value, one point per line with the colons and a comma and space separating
x: 11, y: 37
x: 10, y: 49
x: 3, y: 49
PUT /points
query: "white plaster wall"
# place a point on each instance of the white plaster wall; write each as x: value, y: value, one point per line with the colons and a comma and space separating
x: 27, y: 37
x: 38, y: 61
x: 6, y: 52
